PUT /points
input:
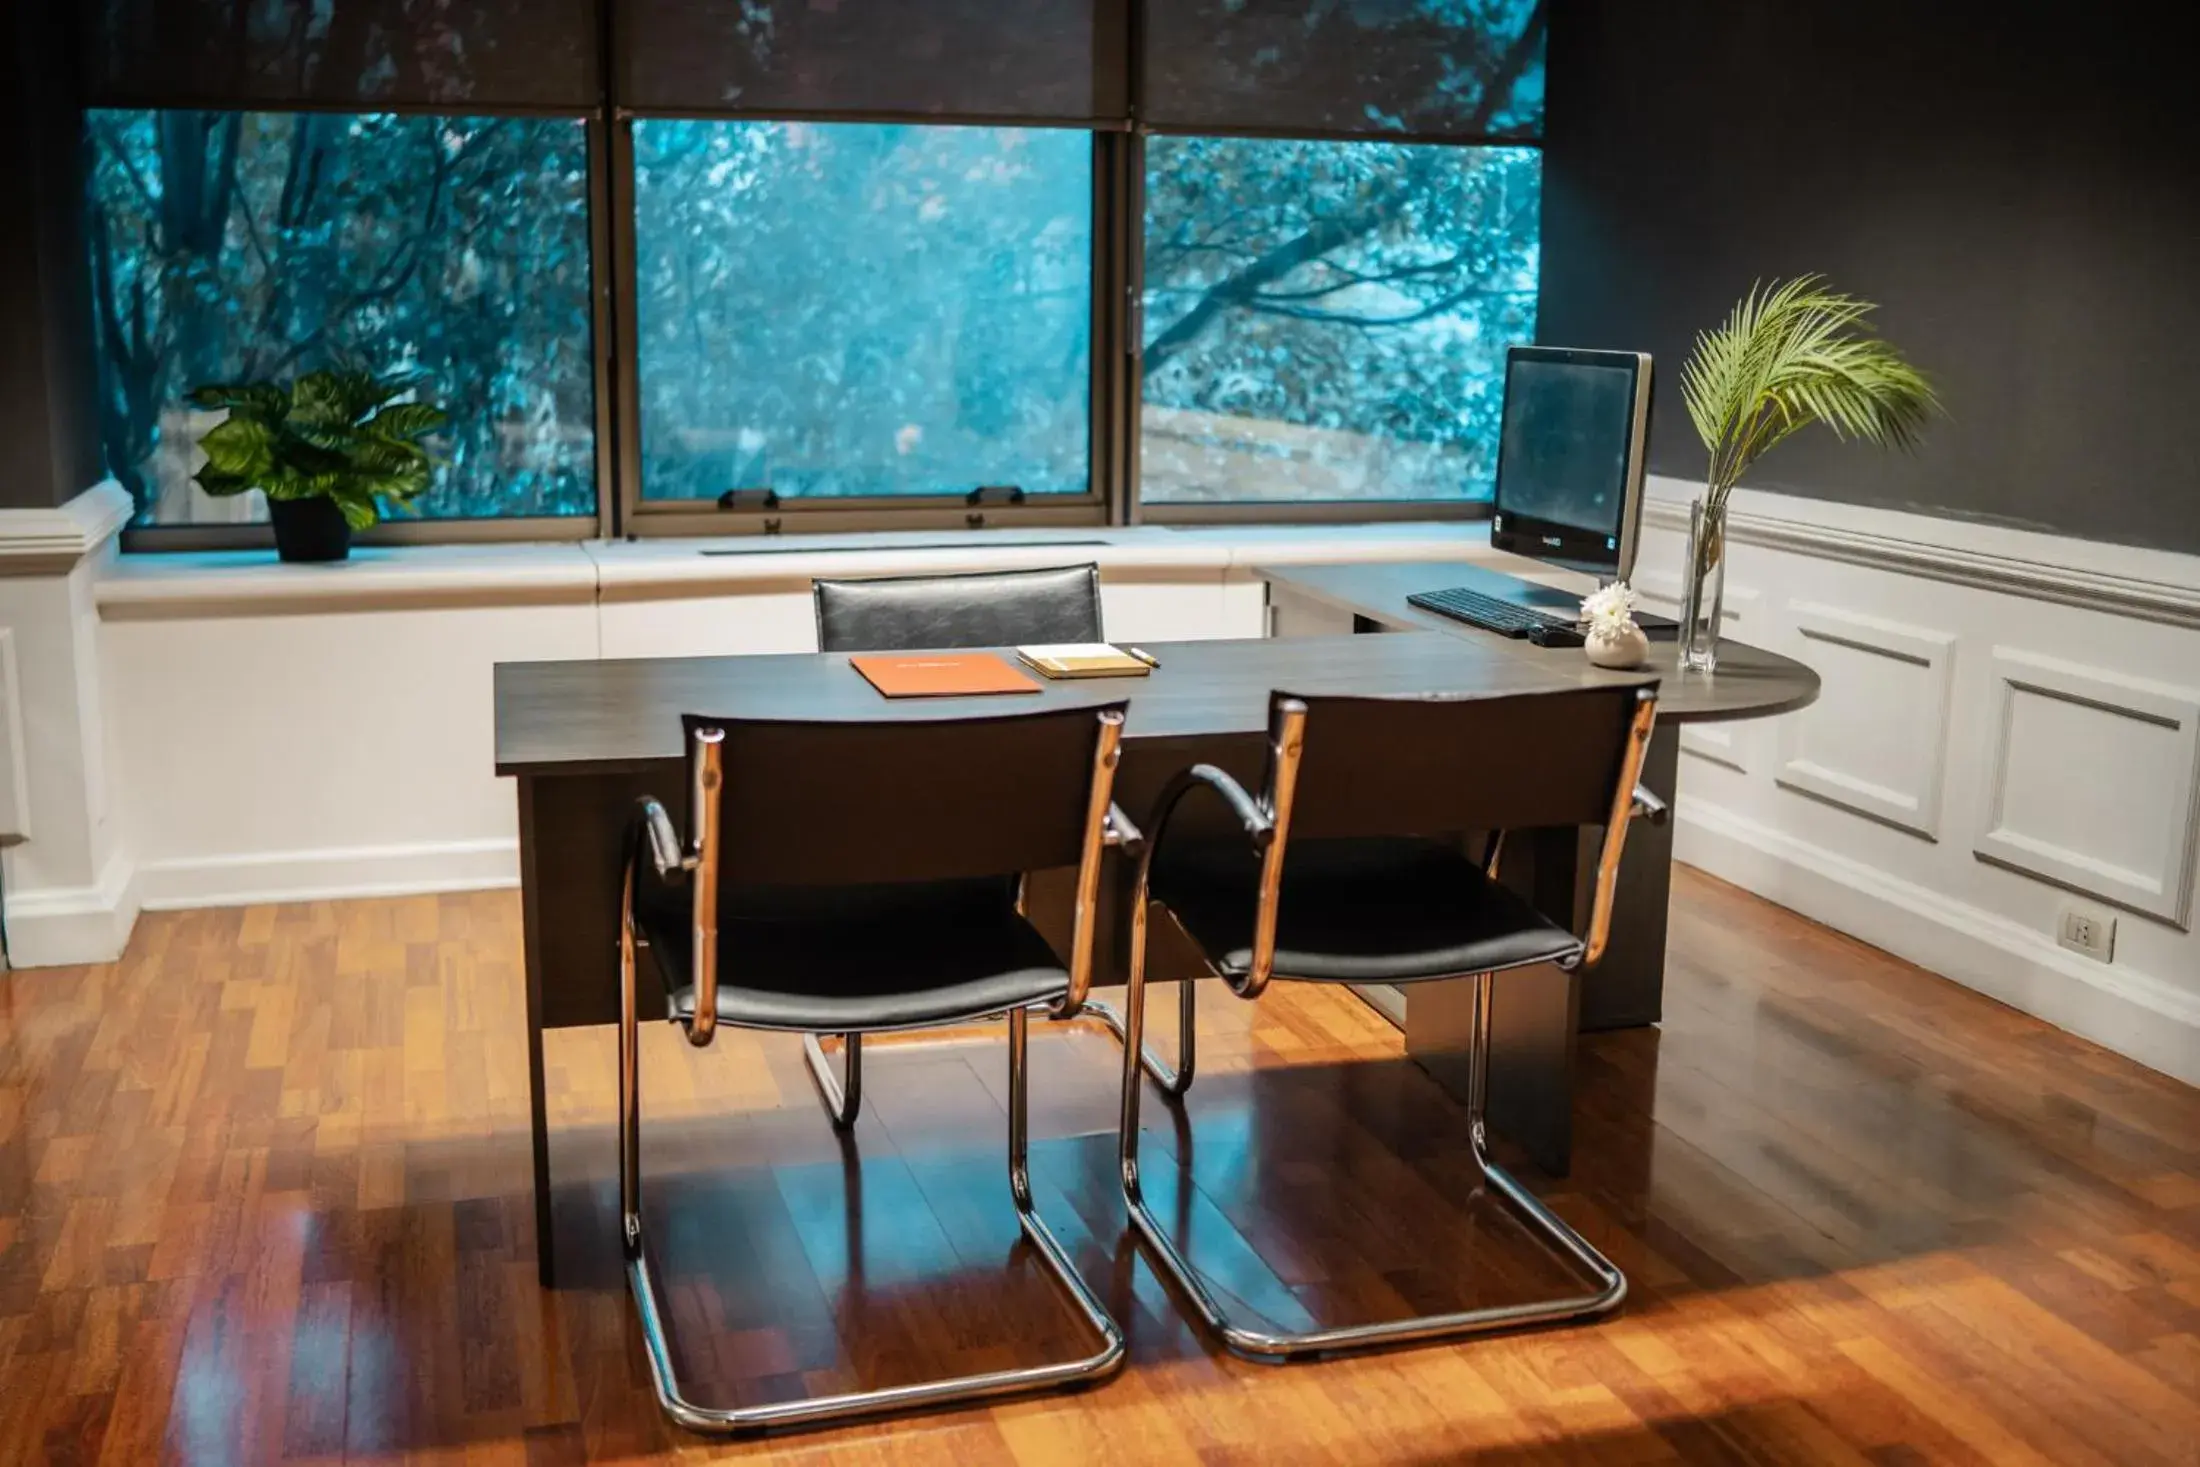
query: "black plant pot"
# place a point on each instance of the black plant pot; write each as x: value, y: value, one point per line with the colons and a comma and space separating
x: 308, y: 530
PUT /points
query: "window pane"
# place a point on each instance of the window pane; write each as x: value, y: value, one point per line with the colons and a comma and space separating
x: 1328, y: 320
x: 1458, y: 68
x: 237, y: 246
x: 862, y: 309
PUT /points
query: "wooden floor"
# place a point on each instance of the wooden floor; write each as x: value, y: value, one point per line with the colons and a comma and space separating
x: 263, y: 1197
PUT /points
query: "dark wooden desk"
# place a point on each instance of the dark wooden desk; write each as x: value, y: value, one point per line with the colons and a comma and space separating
x: 584, y: 739
x: 1750, y: 683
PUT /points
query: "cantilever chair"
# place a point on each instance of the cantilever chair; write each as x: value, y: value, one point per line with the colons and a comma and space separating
x: 980, y: 609
x: 1348, y: 868
x: 823, y: 886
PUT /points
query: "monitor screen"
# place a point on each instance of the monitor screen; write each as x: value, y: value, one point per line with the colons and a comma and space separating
x: 1564, y: 468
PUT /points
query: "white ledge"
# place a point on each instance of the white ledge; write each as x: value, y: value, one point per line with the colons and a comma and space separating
x: 253, y: 582
x: 49, y: 542
x: 2122, y: 580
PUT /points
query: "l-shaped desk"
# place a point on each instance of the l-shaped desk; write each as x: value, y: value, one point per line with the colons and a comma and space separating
x: 584, y: 739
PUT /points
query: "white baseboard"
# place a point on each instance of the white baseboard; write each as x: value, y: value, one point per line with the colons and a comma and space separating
x: 2131, y: 1013
x: 65, y: 926
x: 330, y: 875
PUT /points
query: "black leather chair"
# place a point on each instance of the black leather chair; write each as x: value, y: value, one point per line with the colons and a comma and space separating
x: 990, y: 609
x: 1348, y: 868
x: 824, y: 885
x: 981, y: 609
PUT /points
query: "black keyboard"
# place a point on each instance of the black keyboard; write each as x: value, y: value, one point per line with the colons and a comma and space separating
x: 1506, y: 618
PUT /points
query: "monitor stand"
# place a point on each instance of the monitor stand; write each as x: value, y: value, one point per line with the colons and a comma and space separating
x: 1547, y: 598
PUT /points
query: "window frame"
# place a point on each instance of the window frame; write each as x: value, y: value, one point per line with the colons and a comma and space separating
x: 1115, y: 394
x: 467, y: 530
x: 1277, y: 511
x: 640, y: 518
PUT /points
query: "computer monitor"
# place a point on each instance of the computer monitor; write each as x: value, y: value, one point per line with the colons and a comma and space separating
x: 1570, y: 457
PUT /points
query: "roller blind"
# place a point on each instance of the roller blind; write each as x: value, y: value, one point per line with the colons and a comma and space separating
x: 1456, y: 69
x: 451, y: 54
x: 1040, y: 60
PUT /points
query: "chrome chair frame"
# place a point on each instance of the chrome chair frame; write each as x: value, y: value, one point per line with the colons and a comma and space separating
x: 654, y: 839
x: 1266, y: 822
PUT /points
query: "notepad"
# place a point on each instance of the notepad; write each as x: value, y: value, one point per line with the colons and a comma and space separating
x: 942, y: 675
x: 1083, y: 659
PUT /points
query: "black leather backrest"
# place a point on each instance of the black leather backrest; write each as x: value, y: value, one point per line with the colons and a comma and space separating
x: 1430, y: 766
x: 835, y: 804
x: 992, y: 609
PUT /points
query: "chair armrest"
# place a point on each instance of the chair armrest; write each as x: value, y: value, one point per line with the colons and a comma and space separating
x: 1121, y: 833
x: 658, y: 838
x: 1258, y: 824
x: 1649, y: 807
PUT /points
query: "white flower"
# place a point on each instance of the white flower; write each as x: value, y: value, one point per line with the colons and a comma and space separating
x: 1612, y: 608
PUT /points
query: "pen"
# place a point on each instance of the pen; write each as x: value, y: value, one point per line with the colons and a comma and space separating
x: 1143, y: 656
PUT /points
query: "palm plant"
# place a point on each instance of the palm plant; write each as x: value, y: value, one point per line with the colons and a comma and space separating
x: 340, y: 435
x: 1791, y: 354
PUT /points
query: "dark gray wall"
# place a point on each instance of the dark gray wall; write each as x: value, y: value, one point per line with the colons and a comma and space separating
x: 2018, y: 185
x: 49, y: 441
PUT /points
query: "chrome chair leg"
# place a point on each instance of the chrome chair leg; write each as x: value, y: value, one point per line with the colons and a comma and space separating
x: 849, y: 1405
x: 1173, y: 1081
x: 843, y: 1100
x: 1611, y: 1284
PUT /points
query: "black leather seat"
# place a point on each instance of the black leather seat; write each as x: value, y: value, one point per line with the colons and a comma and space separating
x: 859, y: 958
x: 988, y: 609
x: 1358, y: 911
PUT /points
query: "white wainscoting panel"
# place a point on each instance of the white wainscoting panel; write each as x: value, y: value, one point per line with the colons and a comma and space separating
x: 2091, y: 782
x: 1875, y: 741
x: 1731, y: 744
x: 15, y: 780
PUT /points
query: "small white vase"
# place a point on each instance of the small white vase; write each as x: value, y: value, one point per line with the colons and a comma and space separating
x: 1622, y: 646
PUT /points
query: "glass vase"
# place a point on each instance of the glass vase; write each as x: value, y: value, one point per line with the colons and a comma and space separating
x: 1703, y: 587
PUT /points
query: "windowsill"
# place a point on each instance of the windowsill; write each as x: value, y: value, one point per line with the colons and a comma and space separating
x: 183, y: 584
x: 195, y: 583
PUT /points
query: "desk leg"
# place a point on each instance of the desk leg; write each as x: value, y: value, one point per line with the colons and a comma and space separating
x: 538, y: 1124
x: 1627, y: 989
x: 1534, y: 1013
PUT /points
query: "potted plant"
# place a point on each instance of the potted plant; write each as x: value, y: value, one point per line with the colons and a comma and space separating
x: 328, y: 451
x: 1791, y: 354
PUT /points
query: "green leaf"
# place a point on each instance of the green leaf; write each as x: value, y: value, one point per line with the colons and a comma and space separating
x: 407, y: 420
x: 221, y: 485
x: 259, y: 397
x: 1789, y: 355
x: 359, y: 513
x: 241, y: 445
x: 315, y: 399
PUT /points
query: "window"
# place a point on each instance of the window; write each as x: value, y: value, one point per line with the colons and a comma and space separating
x: 829, y: 265
x: 1328, y: 320
x: 237, y: 245
x: 862, y: 309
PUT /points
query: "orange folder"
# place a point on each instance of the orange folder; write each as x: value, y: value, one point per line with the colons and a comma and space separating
x: 942, y: 675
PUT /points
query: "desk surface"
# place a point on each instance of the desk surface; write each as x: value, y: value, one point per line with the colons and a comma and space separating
x: 1750, y: 683
x: 605, y: 716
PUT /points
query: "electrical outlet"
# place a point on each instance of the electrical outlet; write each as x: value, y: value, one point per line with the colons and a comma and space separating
x: 2082, y: 932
